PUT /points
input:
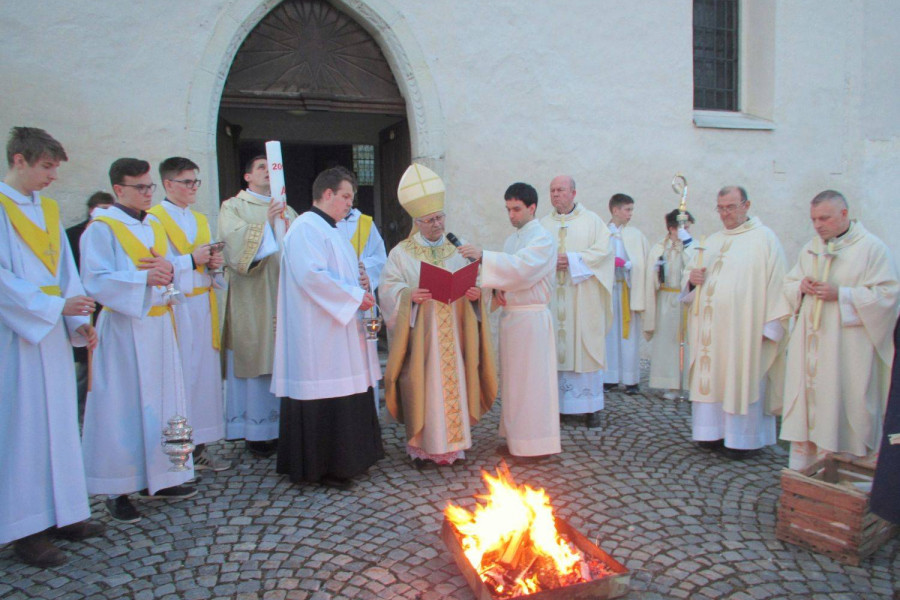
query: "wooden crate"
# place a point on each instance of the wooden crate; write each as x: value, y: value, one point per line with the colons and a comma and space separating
x: 821, y: 510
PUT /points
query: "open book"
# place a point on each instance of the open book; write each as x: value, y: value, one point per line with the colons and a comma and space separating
x: 446, y: 286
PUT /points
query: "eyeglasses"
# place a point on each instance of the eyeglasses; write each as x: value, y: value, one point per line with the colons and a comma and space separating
x: 191, y: 183
x: 142, y: 188
x: 432, y: 221
x: 727, y: 210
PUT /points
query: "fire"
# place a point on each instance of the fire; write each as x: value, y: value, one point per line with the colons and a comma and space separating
x: 512, y: 531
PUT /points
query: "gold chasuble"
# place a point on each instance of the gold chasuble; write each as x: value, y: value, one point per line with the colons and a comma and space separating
x: 179, y: 240
x: 445, y: 356
x: 729, y: 354
x: 44, y: 243
x: 582, y: 312
x: 838, y: 376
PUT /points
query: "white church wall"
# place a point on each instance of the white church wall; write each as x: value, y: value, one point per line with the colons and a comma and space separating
x: 507, y: 91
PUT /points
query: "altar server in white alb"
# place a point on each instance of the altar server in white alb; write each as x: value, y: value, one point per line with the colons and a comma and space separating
x: 665, y: 317
x: 623, y: 356
x: 197, y: 315
x: 247, y: 225
x: 736, y: 330
x: 845, y: 289
x: 43, y: 312
x: 137, y: 380
x: 329, y: 430
x: 522, y: 277
x: 581, y: 305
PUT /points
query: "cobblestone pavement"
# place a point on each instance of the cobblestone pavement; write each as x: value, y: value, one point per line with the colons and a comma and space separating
x: 687, y: 522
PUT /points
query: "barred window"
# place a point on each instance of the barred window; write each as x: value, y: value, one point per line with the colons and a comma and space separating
x: 364, y: 164
x: 716, y: 54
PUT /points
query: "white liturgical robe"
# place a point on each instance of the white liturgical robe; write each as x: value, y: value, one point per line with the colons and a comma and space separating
x: 581, y: 306
x: 319, y: 285
x: 194, y: 322
x: 42, y: 481
x: 623, y: 342
x: 838, y: 376
x: 372, y: 252
x: 137, y: 379
x: 524, y: 272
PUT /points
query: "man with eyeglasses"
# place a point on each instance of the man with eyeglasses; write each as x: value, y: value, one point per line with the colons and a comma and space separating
x: 735, y: 330
x: 197, y: 315
x: 840, y: 351
x: 440, y: 377
x: 252, y: 261
x: 137, y: 379
x: 581, y: 304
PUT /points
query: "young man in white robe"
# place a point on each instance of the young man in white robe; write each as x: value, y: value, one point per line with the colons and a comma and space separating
x: 137, y: 380
x: 665, y: 317
x: 197, y: 314
x: 440, y: 376
x: 838, y: 375
x: 623, y: 342
x: 582, y: 303
x: 323, y: 371
x: 252, y: 259
x: 522, y: 277
x: 43, y: 313
x: 363, y: 234
x: 735, y: 330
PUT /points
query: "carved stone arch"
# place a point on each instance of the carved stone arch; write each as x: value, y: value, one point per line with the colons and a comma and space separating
x: 384, y: 23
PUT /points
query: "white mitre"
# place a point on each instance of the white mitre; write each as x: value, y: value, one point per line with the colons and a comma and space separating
x: 421, y: 191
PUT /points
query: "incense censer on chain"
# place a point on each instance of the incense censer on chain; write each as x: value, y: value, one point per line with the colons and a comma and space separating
x: 178, y: 443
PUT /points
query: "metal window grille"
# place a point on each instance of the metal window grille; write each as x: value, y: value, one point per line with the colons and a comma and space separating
x: 364, y: 164
x: 716, y: 54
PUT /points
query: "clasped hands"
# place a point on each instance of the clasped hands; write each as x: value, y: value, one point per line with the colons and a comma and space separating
x: 205, y: 256
x: 420, y: 295
x: 818, y: 289
x: 159, y: 270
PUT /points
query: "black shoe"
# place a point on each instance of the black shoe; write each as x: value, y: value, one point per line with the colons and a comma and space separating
x: 608, y: 387
x: 735, y: 454
x: 262, y: 449
x: 337, y: 483
x: 38, y: 551
x: 527, y: 460
x: 632, y: 390
x: 122, y: 510
x: 711, y: 444
x: 592, y: 420
x: 77, y: 532
x: 176, y: 492
x: 421, y: 463
x: 503, y: 450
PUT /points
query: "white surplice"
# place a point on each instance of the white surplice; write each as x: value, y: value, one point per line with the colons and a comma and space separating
x: 623, y: 356
x: 524, y: 271
x: 374, y: 255
x: 137, y: 380
x: 42, y: 481
x: 319, y: 286
x: 200, y: 361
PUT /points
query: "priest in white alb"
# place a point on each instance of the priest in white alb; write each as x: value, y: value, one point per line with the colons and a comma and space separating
x: 197, y: 315
x: 323, y: 370
x: 137, y: 379
x: 247, y: 225
x: 522, y: 277
x: 623, y: 342
x: 845, y: 292
x: 440, y: 376
x: 665, y: 317
x: 736, y: 277
x: 582, y: 303
x: 43, y: 312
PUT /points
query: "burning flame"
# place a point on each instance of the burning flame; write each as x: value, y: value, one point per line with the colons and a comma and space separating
x: 511, y: 516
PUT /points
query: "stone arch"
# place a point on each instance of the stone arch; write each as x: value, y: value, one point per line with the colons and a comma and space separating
x: 385, y: 24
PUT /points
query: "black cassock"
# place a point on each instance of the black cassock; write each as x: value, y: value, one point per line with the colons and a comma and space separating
x: 886, y: 490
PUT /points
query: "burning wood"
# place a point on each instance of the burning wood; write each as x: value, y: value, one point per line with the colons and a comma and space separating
x: 512, y: 542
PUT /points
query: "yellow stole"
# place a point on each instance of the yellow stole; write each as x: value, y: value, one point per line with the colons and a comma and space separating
x: 181, y: 243
x: 45, y: 244
x: 361, y: 235
x: 136, y: 250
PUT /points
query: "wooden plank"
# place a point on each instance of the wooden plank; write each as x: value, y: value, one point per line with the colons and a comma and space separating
x: 816, y: 527
x: 822, y: 510
x: 851, y: 500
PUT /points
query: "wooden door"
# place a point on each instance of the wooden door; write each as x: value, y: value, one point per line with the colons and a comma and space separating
x: 395, y: 156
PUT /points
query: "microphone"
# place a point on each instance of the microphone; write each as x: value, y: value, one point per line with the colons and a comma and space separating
x: 455, y: 241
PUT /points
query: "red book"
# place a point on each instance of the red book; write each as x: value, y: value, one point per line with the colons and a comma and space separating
x: 446, y: 286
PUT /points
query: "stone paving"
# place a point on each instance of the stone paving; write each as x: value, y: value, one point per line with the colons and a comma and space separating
x: 687, y: 522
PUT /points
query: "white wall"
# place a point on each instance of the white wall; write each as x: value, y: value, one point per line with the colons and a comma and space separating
x: 513, y: 91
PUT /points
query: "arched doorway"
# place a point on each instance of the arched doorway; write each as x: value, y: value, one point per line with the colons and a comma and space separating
x: 311, y: 77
